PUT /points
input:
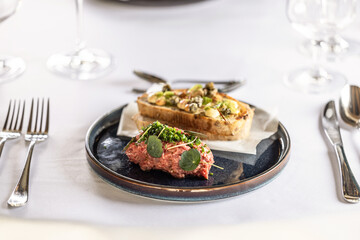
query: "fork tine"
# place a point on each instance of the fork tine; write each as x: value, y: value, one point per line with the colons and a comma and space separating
x: 17, y: 116
x: 12, y: 116
x: 7, y: 116
x: 30, y: 117
x: 22, y: 117
x: 47, y: 117
x: 36, y: 116
x: 42, y: 114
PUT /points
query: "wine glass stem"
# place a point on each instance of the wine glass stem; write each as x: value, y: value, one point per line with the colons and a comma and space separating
x: 319, y: 74
x: 315, y: 56
x: 80, y: 43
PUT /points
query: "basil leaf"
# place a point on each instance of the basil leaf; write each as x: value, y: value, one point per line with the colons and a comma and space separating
x: 190, y: 160
x: 154, y: 146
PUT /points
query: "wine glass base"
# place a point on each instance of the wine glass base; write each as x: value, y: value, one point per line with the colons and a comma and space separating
x: 85, y: 64
x: 310, y: 81
x: 11, y: 68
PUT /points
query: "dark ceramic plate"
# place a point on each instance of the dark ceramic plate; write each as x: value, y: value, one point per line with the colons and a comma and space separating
x: 159, y: 2
x: 105, y: 156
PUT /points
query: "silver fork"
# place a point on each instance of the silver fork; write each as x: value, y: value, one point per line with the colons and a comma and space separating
x: 35, y: 133
x: 13, y: 125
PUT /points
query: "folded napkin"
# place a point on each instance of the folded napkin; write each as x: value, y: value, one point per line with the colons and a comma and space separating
x: 264, y: 125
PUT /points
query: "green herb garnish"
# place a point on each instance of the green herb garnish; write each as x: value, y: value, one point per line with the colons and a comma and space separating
x: 128, y: 144
x: 206, y: 100
x: 195, y: 87
x: 169, y: 94
x: 190, y: 160
x: 144, y: 133
x: 184, y: 144
x: 154, y: 146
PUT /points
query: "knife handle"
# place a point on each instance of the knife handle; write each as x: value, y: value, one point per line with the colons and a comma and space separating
x: 351, y: 190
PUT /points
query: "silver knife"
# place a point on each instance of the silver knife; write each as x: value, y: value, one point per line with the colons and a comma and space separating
x: 156, y: 79
x: 351, y: 190
x: 149, y: 77
x: 227, y: 85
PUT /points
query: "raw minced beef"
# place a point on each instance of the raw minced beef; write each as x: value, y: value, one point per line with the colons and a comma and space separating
x: 169, y: 160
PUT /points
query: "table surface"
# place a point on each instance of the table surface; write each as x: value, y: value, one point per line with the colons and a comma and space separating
x: 216, y: 39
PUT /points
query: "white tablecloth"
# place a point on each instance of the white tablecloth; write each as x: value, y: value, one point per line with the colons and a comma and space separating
x: 215, y: 39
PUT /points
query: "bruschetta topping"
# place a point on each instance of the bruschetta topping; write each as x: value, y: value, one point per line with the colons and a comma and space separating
x: 198, y: 100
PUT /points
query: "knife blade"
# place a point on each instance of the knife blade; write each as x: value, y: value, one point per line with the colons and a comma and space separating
x: 330, y: 124
x: 149, y: 77
x: 156, y: 79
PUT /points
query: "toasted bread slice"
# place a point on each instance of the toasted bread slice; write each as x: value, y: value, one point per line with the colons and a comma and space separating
x: 230, y: 128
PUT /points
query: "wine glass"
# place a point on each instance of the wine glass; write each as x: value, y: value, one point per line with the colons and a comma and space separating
x: 339, y: 14
x: 82, y: 63
x: 317, y: 20
x: 10, y: 67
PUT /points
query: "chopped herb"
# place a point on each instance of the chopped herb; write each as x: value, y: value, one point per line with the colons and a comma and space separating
x: 168, y: 94
x: 206, y: 100
x: 211, y: 174
x: 159, y: 94
x: 195, y: 87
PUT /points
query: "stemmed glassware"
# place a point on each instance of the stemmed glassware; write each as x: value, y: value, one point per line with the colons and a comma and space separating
x: 82, y: 63
x: 10, y: 67
x: 340, y: 14
x: 319, y: 21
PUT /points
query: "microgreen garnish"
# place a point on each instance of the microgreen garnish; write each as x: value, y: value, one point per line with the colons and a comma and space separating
x: 222, y: 115
x: 154, y: 146
x: 183, y: 144
x: 190, y: 160
x: 161, y: 131
x: 196, y: 133
x: 213, y: 165
x: 217, y: 105
x: 144, y: 133
x: 131, y: 141
x: 217, y: 166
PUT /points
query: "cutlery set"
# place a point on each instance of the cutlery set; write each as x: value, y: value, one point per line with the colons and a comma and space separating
x: 226, y: 85
x: 37, y: 131
x: 350, y: 113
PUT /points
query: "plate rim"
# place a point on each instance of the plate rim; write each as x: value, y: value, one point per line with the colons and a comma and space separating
x: 276, y: 168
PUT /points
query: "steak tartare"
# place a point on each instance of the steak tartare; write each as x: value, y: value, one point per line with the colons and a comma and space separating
x: 170, y: 150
